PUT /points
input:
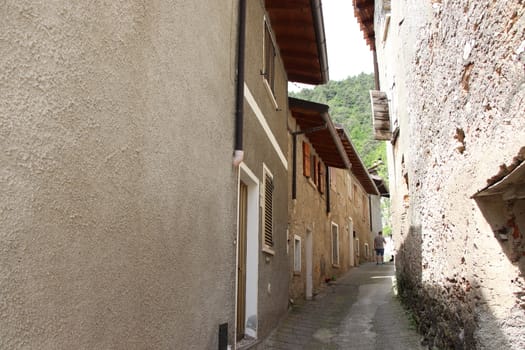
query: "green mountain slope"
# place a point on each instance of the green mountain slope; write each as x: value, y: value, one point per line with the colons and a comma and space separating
x: 349, y: 102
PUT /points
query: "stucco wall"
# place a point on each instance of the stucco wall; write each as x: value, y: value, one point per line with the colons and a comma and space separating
x: 259, y: 150
x: 455, y: 75
x: 112, y: 116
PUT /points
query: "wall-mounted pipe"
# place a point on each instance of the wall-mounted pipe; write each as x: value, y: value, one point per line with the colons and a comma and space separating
x: 328, y: 206
x: 238, y: 154
x: 294, y: 154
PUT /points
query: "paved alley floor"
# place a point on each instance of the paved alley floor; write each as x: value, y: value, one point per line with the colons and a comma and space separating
x: 359, y: 311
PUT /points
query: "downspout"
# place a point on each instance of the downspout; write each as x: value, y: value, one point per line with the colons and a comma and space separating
x: 321, y: 38
x: 376, y: 70
x: 294, y: 166
x: 327, y: 189
x: 294, y: 154
x: 238, y: 154
x: 370, y: 212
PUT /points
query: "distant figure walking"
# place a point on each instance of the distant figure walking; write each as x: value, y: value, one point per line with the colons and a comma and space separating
x: 379, y: 246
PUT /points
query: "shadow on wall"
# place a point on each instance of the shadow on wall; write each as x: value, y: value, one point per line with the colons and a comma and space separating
x: 443, y: 311
x: 502, y: 204
x: 507, y: 221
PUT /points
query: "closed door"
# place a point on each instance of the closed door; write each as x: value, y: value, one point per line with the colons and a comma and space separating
x: 241, y: 267
x: 309, y: 256
x: 351, y: 243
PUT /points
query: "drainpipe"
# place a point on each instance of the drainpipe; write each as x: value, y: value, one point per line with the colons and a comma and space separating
x: 376, y: 70
x: 327, y: 169
x: 294, y: 154
x: 294, y: 166
x: 238, y: 154
x: 370, y: 212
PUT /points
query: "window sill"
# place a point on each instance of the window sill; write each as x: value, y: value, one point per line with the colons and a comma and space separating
x: 270, y: 93
x: 268, y: 250
x: 314, y: 186
x: 336, y: 266
x: 297, y: 273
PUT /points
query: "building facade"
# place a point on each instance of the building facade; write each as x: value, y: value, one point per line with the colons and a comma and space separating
x: 111, y: 217
x: 126, y: 222
x: 452, y: 73
x: 329, y: 216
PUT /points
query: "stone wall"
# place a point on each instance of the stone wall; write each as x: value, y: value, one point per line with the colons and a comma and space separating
x: 308, y: 215
x: 455, y: 75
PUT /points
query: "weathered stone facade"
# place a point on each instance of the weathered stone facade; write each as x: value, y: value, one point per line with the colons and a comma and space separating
x: 319, y: 213
x: 454, y: 74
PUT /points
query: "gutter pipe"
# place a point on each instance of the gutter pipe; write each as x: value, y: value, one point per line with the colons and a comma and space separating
x: 321, y: 38
x: 238, y: 154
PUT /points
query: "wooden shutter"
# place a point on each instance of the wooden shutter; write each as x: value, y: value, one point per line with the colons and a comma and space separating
x: 315, y: 172
x: 269, y: 57
x: 335, y: 244
x: 381, y: 115
x: 306, y: 159
x: 322, y: 181
x: 268, y: 210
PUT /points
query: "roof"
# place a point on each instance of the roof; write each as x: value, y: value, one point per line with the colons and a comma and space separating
x: 381, y: 186
x: 364, y: 12
x: 330, y: 142
x: 509, y: 185
x: 298, y: 28
x: 358, y: 168
x: 315, y: 122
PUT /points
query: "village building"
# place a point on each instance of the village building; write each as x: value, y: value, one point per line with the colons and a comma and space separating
x: 329, y: 213
x: 126, y: 222
x: 450, y: 104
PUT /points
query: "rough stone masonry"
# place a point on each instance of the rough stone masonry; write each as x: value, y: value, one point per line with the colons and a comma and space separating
x: 461, y: 258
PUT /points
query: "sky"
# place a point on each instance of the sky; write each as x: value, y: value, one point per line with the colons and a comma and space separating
x: 348, y: 54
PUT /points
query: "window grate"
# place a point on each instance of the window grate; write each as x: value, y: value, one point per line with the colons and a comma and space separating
x: 268, y: 210
x: 335, y: 244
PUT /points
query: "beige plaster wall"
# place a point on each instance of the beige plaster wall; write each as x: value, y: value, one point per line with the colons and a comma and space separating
x: 259, y: 151
x: 454, y: 71
x: 112, y: 115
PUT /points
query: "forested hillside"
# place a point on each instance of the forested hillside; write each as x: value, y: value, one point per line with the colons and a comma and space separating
x: 349, y: 102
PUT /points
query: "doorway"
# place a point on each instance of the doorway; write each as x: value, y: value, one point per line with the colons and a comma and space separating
x: 241, y: 264
x: 309, y: 263
x: 247, y: 254
x: 351, y: 242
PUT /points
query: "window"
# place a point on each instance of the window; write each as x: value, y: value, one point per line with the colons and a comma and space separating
x: 367, y: 250
x: 269, y: 58
x: 350, y: 192
x: 306, y: 159
x: 364, y: 207
x: 268, y: 187
x: 333, y: 178
x: 297, y: 254
x: 313, y: 168
x: 320, y: 177
x: 335, y: 244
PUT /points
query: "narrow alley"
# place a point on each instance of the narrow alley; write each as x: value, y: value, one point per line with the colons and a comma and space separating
x: 359, y: 311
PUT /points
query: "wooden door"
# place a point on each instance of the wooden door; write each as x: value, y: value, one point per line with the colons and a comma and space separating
x: 241, y: 266
x: 309, y: 265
